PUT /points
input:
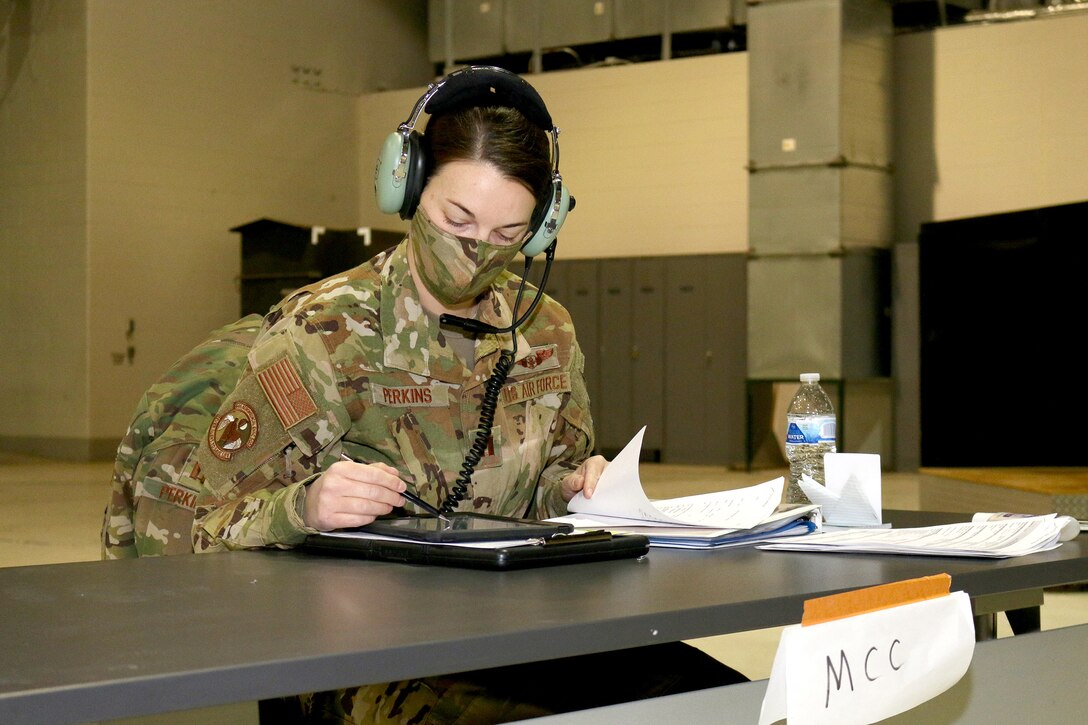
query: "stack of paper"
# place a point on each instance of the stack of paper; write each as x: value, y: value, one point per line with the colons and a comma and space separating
x: 712, y: 520
x: 994, y: 539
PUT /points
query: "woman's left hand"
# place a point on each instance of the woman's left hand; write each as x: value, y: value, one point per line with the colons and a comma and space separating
x: 585, y: 478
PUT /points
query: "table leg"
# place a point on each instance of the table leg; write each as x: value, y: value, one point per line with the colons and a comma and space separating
x: 985, y: 627
x: 1022, y: 621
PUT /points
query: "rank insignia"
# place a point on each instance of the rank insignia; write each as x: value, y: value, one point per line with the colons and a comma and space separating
x: 232, y: 431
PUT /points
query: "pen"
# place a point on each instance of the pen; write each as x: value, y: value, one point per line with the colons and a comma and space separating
x: 411, y: 497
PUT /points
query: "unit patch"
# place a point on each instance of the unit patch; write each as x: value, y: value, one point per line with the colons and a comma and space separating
x: 286, y: 393
x: 544, y: 357
x: 232, y: 431
x: 535, y: 387
x: 410, y: 396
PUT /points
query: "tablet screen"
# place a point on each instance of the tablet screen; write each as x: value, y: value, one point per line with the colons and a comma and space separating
x: 464, y: 527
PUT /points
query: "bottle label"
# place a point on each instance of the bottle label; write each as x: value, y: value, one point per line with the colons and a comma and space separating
x: 811, y: 430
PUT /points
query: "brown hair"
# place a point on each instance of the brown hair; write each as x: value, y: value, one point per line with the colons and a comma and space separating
x: 498, y: 135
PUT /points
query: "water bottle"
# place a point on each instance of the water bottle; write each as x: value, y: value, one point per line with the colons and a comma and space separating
x: 810, y: 433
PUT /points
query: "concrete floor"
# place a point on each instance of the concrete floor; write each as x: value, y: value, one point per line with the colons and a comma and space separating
x: 50, y: 512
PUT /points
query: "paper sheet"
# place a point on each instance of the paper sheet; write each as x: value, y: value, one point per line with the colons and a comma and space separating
x: 1070, y: 527
x: 619, y: 497
x: 991, y: 539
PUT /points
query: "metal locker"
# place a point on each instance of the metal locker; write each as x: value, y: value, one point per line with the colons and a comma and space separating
x: 583, y: 293
x: 705, y: 359
x: 647, y: 393
x: 558, y: 287
x: 613, y: 416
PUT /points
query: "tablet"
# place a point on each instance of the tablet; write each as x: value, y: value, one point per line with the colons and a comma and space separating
x: 572, y: 549
x: 463, y: 527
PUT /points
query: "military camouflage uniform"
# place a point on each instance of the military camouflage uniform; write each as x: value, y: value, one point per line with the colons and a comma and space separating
x: 353, y: 365
x: 150, y: 512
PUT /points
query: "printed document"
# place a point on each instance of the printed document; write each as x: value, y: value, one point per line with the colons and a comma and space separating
x: 992, y: 539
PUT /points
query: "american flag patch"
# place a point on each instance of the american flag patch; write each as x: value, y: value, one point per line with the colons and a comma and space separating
x: 283, y: 386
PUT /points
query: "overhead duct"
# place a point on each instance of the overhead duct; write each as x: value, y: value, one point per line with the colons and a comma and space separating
x: 820, y: 191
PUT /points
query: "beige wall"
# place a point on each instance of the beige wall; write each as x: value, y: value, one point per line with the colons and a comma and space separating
x: 654, y: 153
x: 142, y: 132
x: 43, y: 250
x: 990, y: 118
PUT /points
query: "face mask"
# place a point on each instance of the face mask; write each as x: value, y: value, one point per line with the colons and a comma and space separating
x: 455, y: 269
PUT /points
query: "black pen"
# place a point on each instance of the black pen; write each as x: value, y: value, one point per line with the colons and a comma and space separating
x: 411, y: 497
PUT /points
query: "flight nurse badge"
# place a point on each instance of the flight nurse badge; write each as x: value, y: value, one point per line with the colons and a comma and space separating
x: 232, y: 431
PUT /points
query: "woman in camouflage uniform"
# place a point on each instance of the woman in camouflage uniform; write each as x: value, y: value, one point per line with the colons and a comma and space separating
x: 354, y: 391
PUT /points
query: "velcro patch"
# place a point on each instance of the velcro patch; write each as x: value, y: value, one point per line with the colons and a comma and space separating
x: 410, y: 396
x: 288, y: 396
x: 492, y: 453
x: 233, y: 431
x: 535, y: 387
x: 539, y: 359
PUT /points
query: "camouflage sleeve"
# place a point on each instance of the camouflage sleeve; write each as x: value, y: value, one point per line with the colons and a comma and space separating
x: 572, y: 444
x: 275, y: 432
x: 268, y: 517
x: 118, y: 523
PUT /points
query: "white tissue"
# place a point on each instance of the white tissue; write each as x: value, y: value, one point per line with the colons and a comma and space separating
x: 851, y: 496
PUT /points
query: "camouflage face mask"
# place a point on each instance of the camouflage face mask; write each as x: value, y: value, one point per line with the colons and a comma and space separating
x: 455, y: 269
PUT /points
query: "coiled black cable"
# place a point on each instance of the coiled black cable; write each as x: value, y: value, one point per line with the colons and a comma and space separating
x: 494, y: 383
x: 487, y: 417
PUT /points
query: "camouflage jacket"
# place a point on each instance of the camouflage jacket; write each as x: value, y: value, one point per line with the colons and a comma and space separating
x: 354, y: 366
x: 150, y: 511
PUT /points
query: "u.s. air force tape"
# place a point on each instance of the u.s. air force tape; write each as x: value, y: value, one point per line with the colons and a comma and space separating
x: 535, y: 387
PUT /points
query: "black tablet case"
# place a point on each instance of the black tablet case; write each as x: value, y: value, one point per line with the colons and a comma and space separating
x: 561, y: 550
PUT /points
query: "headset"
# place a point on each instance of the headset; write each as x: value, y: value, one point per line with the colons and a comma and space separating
x: 401, y: 171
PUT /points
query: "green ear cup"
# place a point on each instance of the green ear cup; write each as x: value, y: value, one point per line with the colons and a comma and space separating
x: 390, y: 174
x: 554, y: 215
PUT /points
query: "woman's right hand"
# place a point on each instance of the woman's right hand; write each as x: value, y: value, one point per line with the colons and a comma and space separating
x: 351, y: 494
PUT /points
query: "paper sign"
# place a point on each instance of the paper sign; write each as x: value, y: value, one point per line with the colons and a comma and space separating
x: 862, y: 669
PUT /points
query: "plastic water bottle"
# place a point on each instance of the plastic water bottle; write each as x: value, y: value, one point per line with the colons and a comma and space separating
x: 810, y: 433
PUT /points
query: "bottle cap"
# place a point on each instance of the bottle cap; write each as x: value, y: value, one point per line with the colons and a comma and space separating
x: 810, y: 377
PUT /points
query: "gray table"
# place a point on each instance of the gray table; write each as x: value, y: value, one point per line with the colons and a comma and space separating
x: 100, y: 640
x: 991, y: 692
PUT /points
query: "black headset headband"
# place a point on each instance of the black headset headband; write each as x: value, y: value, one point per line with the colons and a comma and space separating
x: 484, y: 86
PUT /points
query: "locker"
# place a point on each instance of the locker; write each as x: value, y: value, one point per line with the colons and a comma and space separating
x: 613, y: 415
x: 706, y: 359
